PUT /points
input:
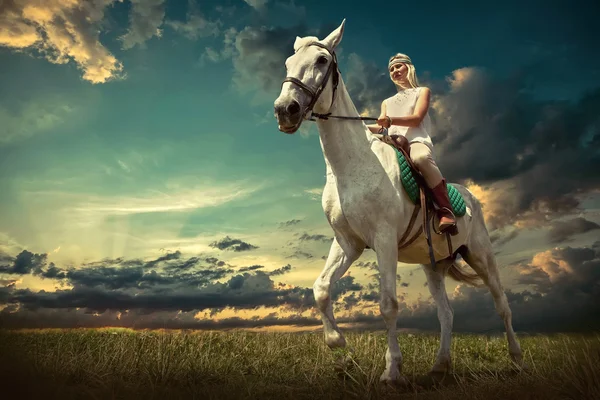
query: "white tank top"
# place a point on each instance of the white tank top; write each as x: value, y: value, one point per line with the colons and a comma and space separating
x: 403, y: 104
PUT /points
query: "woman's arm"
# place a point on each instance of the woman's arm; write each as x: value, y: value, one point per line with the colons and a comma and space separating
x: 411, y: 120
x: 376, y: 127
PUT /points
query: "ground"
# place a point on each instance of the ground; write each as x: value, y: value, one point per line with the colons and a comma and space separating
x: 118, y: 363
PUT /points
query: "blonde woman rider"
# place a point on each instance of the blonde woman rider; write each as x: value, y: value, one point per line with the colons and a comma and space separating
x: 407, y: 114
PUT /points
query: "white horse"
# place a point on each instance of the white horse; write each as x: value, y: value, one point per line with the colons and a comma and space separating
x: 366, y: 205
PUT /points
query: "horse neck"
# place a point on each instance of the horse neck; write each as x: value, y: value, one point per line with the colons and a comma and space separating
x: 344, y: 142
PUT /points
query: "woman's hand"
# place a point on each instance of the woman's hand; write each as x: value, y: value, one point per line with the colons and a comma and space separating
x: 384, y: 121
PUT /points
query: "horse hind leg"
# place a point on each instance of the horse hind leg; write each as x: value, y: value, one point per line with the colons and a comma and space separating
x: 480, y: 257
x: 338, y: 262
x: 437, y: 288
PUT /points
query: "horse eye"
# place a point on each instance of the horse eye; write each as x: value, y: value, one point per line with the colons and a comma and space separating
x: 322, y: 60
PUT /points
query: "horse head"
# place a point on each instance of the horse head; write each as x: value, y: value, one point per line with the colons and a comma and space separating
x: 311, y: 80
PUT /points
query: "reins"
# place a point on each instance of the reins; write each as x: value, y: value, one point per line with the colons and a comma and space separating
x: 328, y: 115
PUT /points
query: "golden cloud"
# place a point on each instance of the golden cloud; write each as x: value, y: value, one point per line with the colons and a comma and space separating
x: 62, y: 30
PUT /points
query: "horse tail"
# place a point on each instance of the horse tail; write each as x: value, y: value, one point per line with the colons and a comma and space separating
x: 457, y: 273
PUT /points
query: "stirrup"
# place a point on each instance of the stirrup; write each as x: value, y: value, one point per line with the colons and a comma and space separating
x: 452, y: 229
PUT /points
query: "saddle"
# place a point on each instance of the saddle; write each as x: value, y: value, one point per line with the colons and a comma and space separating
x: 425, y: 198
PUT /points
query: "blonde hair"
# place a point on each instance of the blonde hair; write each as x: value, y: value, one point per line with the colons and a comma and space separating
x: 411, y: 76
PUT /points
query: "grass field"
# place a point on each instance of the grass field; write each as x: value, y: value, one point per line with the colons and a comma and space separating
x: 117, y: 363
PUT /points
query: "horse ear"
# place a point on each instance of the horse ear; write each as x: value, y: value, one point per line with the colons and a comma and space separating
x: 335, y: 37
x: 297, y: 43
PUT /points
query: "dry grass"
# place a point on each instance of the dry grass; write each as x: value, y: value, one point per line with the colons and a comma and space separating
x: 116, y: 363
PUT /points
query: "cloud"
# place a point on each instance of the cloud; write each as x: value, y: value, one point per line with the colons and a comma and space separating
x: 281, y: 271
x: 367, y: 264
x: 500, y: 240
x: 564, y: 297
x: 250, y: 268
x: 495, y: 125
x: 228, y: 243
x: 25, y: 262
x: 561, y: 231
x: 257, y: 4
x: 315, y: 193
x: 196, y: 25
x: 131, y: 288
x: 260, y: 57
x: 551, y: 269
x: 258, y: 54
x: 368, y: 85
x: 316, y: 238
x: 62, y: 31
x: 226, y: 52
x: 170, y: 283
x: 32, y: 117
x: 291, y: 222
x: 85, y: 210
x: 146, y: 17
x: 300, y: 254
x: 489, y: 131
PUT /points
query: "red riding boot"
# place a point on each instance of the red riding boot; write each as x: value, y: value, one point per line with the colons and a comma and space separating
x: 444, y: 213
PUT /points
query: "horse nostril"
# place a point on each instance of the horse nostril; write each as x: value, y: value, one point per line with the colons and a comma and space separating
x: 278, y: 109
x: 293, y: 108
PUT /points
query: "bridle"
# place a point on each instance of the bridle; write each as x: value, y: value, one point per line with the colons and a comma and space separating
x: 316, y: 93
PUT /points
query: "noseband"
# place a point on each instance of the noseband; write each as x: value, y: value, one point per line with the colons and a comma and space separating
x: 316, y: 93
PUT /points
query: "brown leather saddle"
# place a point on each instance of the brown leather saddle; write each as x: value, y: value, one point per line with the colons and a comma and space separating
x: 426, y: 203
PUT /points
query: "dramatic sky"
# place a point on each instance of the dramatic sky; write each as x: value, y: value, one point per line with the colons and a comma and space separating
x: 144, y: 182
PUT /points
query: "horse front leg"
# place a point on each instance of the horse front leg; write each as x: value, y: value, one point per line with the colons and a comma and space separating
x: 339, y: 260
x: 387, y: 260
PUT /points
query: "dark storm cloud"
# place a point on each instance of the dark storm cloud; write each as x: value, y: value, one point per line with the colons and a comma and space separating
x: 260, y: 54
x: 350, y: 301
x: 316, y: 238
x: 564, y: 296
x: 499, y: 132
x: 52, y: 318
x: 145, y: 19
x: 250, y: 268
x: 122, y: 274
x: 368, y: 84
x: 300, y: 254
x: 104, y: 289
x: 368, y: 264
x: 561, y: 231
x: 291, y: 222
x: 487, y: 129
x: 167, y: 257
x: 228, y: 243
x: 500, y: 240
x: 240, y: 291
x: 281, y: 271
x: 24, y: 263
x: 344, y: 285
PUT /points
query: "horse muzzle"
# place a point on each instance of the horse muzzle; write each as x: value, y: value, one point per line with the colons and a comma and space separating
x: 289, y: 115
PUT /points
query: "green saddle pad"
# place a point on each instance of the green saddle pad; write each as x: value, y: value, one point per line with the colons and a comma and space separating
x: 412, y: 188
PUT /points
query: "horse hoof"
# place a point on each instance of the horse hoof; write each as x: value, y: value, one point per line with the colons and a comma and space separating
x: 395, y: 380
x: 518, y: 362
x: 343, y: 363
x: 335, y: 340
x: 442, y: 366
